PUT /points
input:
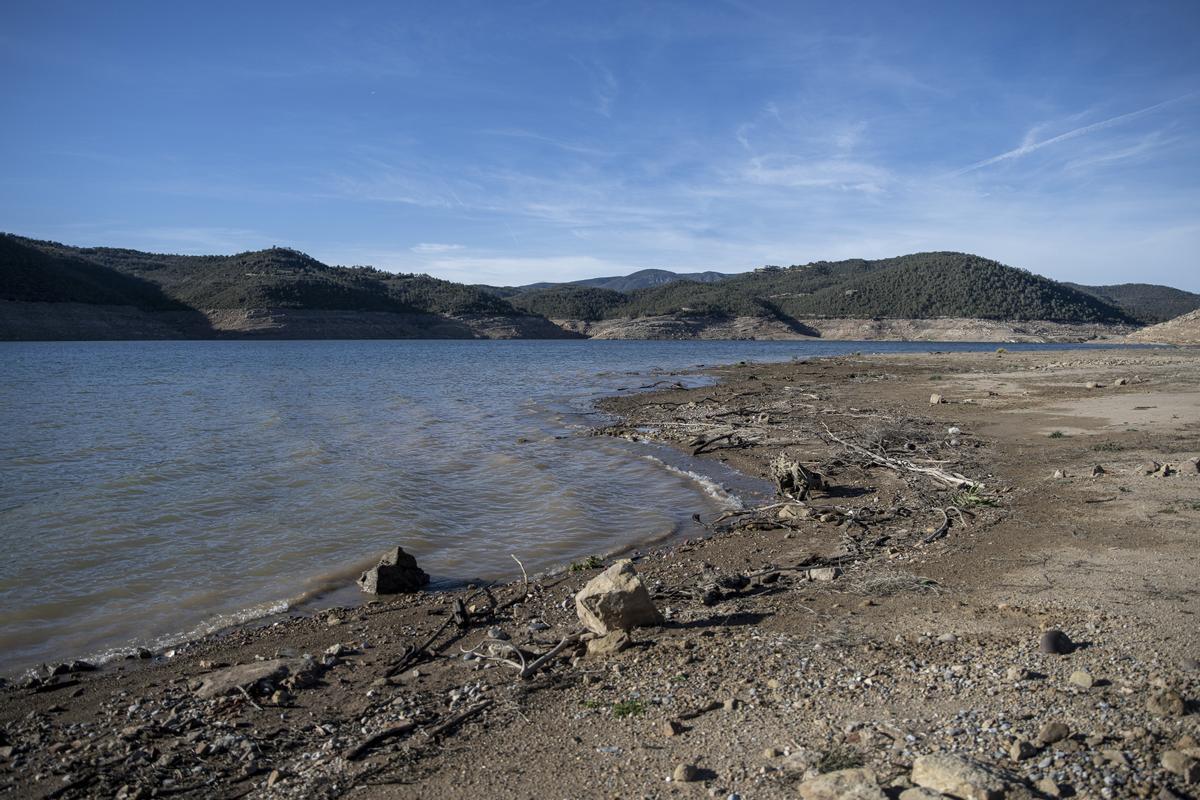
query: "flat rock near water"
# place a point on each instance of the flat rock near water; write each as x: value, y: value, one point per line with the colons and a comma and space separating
x: 916, y: 671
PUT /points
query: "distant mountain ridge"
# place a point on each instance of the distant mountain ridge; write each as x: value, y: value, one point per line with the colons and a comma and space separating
x: 52, y: 290
x: 642, y: 279
x: 916, y: 286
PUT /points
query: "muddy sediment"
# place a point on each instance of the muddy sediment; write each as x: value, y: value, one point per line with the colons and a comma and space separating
x: 889, y: 631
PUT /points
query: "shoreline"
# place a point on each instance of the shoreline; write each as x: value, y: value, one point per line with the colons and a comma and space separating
x: 788, y: 632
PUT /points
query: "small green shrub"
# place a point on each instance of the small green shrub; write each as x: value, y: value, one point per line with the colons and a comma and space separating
x: 1058, y: 435
x: 839, y: 758
x: 628, y: 708
x: 591, y: 562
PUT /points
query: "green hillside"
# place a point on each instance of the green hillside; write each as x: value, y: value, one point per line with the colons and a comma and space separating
x: 1146, y: 302
x: 570, y: 302
x: 274, y: 278
x: 929, y: 285
x: 921, y: 285
x: 918, y: 286
x: 32, y: 275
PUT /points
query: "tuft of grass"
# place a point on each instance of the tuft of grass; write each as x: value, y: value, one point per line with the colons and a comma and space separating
x: 886, y: 584
x: 592, y: 704
x: 935, y: 377
x: 591, y: 562
x: 1001, y: 350
x: 1108, y: 447
x: 628, y: 708
x: 838, y: 758
x: 973, y: 497
x: 1058, y: 435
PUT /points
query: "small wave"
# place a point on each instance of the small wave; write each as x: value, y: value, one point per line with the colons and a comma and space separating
x: 710, y: 487
x: 212, y: 625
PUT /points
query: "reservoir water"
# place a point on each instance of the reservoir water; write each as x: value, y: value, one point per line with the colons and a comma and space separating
x: 154, y: 491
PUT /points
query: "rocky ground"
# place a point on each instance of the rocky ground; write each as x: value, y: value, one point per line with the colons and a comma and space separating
x: 888, y: 633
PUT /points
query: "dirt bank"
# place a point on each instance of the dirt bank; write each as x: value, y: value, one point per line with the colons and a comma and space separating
x: 924, y: 639
x: 764, y: 328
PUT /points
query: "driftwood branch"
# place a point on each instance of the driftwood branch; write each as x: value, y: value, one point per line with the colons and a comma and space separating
x: 567, y: 641
x: 459, y: 718
x: 371, y: 742
x: 900, y: 465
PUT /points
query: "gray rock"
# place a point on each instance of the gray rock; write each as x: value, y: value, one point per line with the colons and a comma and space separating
x: 253, y: 676
x: 1018, y: 674
x: 958, y: 777
x: 685, y: 773
x: 1182, y: 765
x: 616, y: 599
x: 1048, y: 787
x: 1053, y: 731
x: 844, y: 784
x: 1056, y: 642
x: 609, y: 644
x: 1167, y: 703
x: 824, y: 574
x: 1082, y: 679
x: 396, y: 573
x: 1021, y: 750
x: 918, y: 793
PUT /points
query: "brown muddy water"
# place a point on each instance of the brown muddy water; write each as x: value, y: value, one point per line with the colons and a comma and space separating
x: 151, y: 492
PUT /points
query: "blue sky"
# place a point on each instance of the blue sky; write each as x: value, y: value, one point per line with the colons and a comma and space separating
x: 511, y: 142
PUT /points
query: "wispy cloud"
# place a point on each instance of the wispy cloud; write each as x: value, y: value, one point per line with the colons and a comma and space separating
x: 570, y: 147
x: 1030, y: 145
x: 604, y: 87
x: 426, y: 248
x: 819, y: 173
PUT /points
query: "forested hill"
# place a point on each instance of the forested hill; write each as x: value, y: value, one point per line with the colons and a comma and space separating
x: 1147, y: 302
x: 918, y: 286
x: 295, y: 293
x: 274, y: 278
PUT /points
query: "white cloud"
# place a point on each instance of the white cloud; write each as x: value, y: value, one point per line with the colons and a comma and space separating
x: 1031, y: 145
x: 434, y: 247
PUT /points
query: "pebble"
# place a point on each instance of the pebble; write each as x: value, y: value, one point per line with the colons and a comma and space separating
x: 1021, y: 750
x: 1018, y: 674
x: 1053, y: 731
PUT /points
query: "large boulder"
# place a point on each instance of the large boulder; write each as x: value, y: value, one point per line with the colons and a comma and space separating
x: 958, y: 777
x: 396, y: 573
x: 616, y: 600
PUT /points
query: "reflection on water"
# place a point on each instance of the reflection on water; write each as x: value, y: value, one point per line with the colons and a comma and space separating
x: 157, y: 489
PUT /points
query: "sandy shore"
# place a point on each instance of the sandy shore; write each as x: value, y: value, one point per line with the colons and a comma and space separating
x: 765, y: 675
